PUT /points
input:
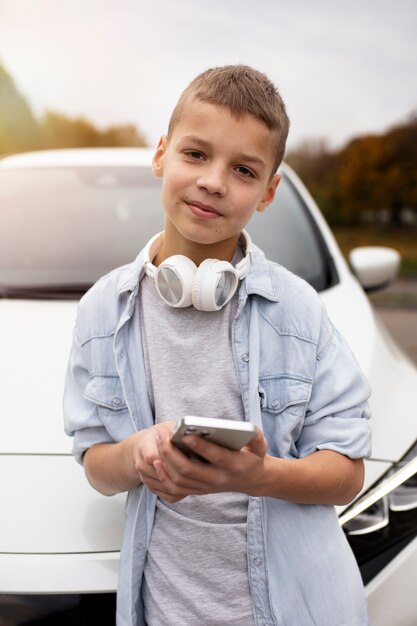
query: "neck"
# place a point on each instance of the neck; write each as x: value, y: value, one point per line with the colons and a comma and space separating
x: 197, y: 252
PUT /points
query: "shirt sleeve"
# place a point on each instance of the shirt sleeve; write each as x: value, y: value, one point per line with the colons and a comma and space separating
x: 337, y: 416
x: 81, y: 417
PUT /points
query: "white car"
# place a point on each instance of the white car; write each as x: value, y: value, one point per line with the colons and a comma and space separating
x: 66, y: 218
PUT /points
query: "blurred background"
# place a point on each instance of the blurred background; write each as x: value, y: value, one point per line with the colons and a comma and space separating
x: 79, y: 73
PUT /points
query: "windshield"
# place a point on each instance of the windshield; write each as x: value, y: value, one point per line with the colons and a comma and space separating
x: 61, y: 228
x: 288, y: 235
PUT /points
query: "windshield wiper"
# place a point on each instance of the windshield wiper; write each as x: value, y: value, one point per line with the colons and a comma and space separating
x: 44, y: 292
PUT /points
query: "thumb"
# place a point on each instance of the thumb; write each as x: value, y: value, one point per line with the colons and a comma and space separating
x: 258, y: 445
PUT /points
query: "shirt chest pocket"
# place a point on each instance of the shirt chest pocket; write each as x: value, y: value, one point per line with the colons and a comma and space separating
x: 106, y: 393
x: 284, y: 402
x: 279, y: 394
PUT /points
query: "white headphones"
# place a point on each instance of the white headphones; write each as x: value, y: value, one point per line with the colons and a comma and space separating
x: 180, y: 283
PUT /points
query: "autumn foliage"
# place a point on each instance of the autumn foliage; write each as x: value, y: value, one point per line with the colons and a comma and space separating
x: 20, y: 130
x: 371, y: 178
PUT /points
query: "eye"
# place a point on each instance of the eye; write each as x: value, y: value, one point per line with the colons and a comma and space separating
x: 194, y: 154
x: 244, y: 171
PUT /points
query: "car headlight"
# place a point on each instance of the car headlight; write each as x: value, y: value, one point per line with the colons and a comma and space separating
x: 384, y: 520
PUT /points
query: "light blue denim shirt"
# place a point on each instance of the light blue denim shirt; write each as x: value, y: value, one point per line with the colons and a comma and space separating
x: 299, y: 382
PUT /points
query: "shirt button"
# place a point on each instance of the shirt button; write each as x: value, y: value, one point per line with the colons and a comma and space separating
x: 116, y: 401
x: 245, y: 357
x: 257, y: 561
x: 275, y: 404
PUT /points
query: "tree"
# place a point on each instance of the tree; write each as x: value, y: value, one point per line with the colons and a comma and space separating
x: 60, y: 131
x: 358, y: 179
x: 318, y: 168
x: 19, y: 129
x: 370, y: 174
x: 122, y: 135
x: 398, y: 169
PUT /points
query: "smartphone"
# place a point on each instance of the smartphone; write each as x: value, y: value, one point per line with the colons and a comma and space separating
x: 232, y: 434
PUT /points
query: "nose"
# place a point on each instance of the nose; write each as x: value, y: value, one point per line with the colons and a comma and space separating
x: 213, y: 179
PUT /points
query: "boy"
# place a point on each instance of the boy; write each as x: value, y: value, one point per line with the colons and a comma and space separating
x: 252, y: 536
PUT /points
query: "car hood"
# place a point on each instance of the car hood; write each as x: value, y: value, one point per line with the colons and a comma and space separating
x: 391, y: 374
x: 35, y: 339
x: 52, y: 509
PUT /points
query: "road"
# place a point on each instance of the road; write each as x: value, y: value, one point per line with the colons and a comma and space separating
x: 402, y: 324
x: 397, y: 306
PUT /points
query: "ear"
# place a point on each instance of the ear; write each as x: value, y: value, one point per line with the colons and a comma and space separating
x: 158, y: 159
x: 269, y: 194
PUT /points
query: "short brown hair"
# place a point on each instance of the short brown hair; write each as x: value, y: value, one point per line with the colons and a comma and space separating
x: 244, y: 91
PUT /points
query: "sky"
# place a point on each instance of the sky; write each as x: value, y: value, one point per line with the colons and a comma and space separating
x: 343, y: 68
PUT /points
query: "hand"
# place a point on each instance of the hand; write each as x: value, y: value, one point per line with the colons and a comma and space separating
x: 145, y: 449
x: 116, y: 467
x: 177, y: 476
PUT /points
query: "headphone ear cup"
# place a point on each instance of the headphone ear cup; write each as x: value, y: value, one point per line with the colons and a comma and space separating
x: 215, y: 282
x: 174, y: 280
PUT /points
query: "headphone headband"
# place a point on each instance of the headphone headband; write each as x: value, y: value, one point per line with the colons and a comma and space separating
x: 208, y: 288
x: 154, y: 245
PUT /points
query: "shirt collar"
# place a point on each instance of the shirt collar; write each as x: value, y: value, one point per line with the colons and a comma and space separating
x: 129, y: 279
x: 259, y: 279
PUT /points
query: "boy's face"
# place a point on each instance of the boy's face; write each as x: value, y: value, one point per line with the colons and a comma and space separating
x: 216, y: 173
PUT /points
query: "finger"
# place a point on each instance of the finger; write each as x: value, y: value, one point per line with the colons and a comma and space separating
x: 160, y: 472
x: 258, y: 445
x: 178, y: 470
x: 179, y: 476
x: 165, y: 495
x: 190, y: 474
x: 168, y: 427
x: 146, y: 453
x: 171, y: 489
x: 170, y: 454
x: 146, y: 476
x: 213, y: 453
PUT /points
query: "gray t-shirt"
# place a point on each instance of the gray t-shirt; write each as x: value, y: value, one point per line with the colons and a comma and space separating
x: 196, y: 566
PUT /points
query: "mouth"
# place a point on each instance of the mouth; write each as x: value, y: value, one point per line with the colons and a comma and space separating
x: 200, y: 209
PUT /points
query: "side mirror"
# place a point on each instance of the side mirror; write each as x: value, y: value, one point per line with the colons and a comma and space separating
x: 375, y: 266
